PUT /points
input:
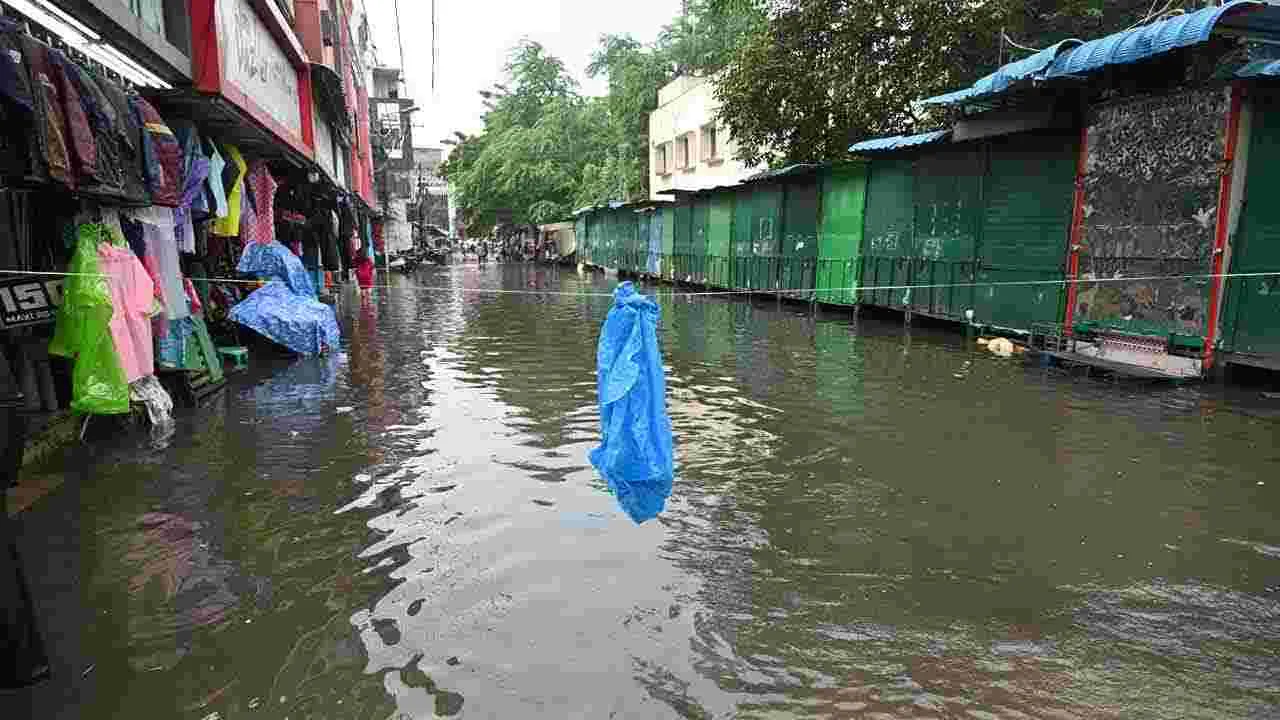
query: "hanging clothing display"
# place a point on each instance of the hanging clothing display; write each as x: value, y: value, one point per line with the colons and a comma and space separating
x: 84, y: 151
x: 218, y: 206
x: 17, y: 110
x: 162, y: 158
x: 229, y: 225
x: 106, y: 126
x: 83, y: 333
x: 197, y: 171
x: 263, y: 187
x: 129, y: 134
x: 162, y: 248
x: 50, y: 152
x: 131, y: 298
x: 193, y: 156
x: 346, y: 226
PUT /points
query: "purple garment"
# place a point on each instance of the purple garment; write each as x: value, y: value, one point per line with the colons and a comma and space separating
x: 197, y: 171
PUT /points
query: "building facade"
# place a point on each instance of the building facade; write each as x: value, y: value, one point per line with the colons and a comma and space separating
x: 690, y: 148
x: 394, y: 171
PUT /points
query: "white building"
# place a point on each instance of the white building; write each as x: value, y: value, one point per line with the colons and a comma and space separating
x: 691, y: 149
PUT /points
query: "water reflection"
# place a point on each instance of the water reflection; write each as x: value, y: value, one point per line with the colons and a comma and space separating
x: 866, y: 522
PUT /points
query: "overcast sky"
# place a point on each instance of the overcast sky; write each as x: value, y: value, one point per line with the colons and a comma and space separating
x: 475, y: 36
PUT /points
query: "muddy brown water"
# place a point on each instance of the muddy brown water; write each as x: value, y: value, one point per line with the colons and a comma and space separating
x: 866, y: 522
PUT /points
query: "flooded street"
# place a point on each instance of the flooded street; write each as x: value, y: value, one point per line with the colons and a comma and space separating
x: 866, y: 522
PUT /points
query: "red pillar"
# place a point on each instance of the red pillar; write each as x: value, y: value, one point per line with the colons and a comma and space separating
x: 1077, y: 231
x: 1223, y: 222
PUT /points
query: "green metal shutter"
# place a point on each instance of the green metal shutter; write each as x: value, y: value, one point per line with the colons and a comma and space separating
x: 766, y: 240
x: 948, y: 218
x: 683, y: 240
x: 840, y: 234
x: 1027, y: 225
x: 1251, y: 316
x: 654, y: 264
x: 668, y: 242
x: 799, y: 236
x: 700, y: 215
x: 887, y: 237
x: 640, y: 258
x: 580, y: 237
x: 720, y: 240
x: 743, y: 228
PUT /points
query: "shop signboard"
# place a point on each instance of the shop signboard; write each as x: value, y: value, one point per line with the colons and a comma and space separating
x: 29, y: 301
x: 254, y: 63
x: 245, y: 52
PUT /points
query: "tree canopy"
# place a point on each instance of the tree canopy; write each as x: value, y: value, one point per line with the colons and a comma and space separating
x: 820, y: 75
x: 546, y: 150
x: 797, y: 80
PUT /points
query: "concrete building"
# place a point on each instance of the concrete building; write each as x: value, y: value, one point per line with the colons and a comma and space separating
x: 394, y: 171
x: 690, y: 148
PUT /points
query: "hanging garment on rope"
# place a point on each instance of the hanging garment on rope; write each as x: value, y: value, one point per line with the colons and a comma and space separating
x: 635, y: 453
x: 131, y: 301
x: 83, y: 331
x: 162, y: 251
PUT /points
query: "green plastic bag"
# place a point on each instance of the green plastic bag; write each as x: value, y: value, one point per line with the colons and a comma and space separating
x: 83, y: 332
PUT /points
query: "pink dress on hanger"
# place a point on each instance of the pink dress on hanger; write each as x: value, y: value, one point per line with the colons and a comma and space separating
x: 264, y: 197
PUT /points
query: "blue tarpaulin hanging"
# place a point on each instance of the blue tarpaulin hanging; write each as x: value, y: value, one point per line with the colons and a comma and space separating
x: 635, y: 453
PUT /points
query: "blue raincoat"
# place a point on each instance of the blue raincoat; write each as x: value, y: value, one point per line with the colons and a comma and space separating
x: 635, y: 454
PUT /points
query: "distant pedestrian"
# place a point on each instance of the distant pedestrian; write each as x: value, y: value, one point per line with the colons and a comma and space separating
x: 364, y: 274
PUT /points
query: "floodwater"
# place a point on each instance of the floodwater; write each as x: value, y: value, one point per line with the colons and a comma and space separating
x: 866, y: 523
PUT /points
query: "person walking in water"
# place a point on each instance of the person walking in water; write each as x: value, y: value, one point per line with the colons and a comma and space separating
x: 364, y: 274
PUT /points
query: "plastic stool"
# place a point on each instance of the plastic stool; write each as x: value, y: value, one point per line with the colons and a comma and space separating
x: 239, y: 356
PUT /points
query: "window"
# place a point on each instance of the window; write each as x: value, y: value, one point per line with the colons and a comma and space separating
x: 682, y: 151
x: 710, y: 148
x: 660, y: 160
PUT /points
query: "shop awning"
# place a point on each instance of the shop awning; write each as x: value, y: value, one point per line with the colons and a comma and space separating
x: 899, y: 142
x: 788, y: 171
x: 1243, y: 17
x: 1027, y: 69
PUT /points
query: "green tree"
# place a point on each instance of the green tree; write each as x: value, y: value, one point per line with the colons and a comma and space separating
x: 820, y: 75
x: 525, y: 167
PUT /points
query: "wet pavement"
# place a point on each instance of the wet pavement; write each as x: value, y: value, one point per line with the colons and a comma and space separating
x: 866, y: 522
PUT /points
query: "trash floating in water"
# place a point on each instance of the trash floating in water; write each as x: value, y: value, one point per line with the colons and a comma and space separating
x: 345, y: 409
x: 1002, y: 347
x: 635, y: 453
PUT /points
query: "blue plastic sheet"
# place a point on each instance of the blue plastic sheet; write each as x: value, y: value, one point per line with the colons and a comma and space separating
x: 635, y: 454
x: 299, y: 322
x: 275, y: 261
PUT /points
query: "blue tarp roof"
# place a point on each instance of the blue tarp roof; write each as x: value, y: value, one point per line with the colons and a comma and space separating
x: 1028, y: 68
x: 1130, y: 46
x: 897, y: 142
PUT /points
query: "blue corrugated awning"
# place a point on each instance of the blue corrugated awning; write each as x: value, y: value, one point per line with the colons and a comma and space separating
x: 1028, y: 68
x: 1260, y: 68
x: 897, y: 142
x: 1130, y: 46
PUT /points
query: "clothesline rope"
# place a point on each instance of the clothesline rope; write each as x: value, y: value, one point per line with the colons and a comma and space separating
x: 712, y: 293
